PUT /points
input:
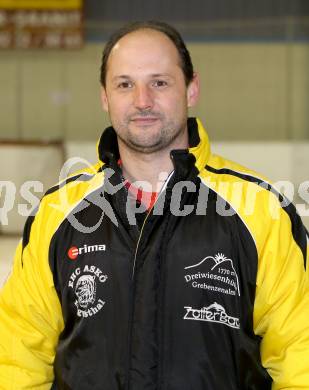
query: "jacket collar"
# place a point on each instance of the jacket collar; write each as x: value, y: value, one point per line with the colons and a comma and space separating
x: 197, y: 154
x: 201, y: 151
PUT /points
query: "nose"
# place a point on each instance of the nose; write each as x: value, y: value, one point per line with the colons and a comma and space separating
x: 143, y: 98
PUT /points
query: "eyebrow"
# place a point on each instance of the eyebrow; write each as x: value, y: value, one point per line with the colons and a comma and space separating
x: 160, y: 75
x: 126, y: 77
x: 123, y: 76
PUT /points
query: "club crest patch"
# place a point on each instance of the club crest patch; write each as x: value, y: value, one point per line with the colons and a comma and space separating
x: 84, y: 282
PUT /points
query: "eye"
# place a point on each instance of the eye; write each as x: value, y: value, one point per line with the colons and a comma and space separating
x: 125, y: 85
x: 159, y: 83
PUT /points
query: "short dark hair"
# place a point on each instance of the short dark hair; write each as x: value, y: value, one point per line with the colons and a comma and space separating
x: 168, y: 30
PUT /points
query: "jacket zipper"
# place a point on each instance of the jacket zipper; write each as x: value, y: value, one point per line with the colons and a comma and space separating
x: 133, y: 281
x: 145, y: 220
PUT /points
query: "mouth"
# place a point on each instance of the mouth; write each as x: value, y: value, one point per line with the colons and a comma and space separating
x: 144, y: 121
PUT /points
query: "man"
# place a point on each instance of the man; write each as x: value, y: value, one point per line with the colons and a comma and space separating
x: 196, y: 282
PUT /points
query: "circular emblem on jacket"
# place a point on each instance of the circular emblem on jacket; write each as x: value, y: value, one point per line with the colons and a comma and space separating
x: 84, y: 281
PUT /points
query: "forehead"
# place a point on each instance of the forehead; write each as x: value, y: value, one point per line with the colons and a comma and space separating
x: 144, y: 49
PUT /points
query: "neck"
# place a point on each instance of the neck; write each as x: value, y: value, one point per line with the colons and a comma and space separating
x: 152, y: 168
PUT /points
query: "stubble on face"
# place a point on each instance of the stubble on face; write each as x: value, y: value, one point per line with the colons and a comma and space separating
x: 148, y: 141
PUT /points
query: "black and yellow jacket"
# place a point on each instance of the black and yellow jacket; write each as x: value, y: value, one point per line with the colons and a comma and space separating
x: 207, y: 292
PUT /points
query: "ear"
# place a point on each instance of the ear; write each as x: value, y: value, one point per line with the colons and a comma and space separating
x: 104, y: 100
x: 193, y: 91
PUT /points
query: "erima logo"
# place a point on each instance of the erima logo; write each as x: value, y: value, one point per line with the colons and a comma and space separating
x: 73, y: 252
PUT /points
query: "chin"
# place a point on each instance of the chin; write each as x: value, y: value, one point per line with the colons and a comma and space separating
x: 145, y: 147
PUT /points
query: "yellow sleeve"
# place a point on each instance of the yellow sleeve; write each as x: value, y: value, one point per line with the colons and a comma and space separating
x: 30, y: 316
x: 281, y: 311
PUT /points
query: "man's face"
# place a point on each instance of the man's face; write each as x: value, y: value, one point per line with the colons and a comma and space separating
x: 146, y: 95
